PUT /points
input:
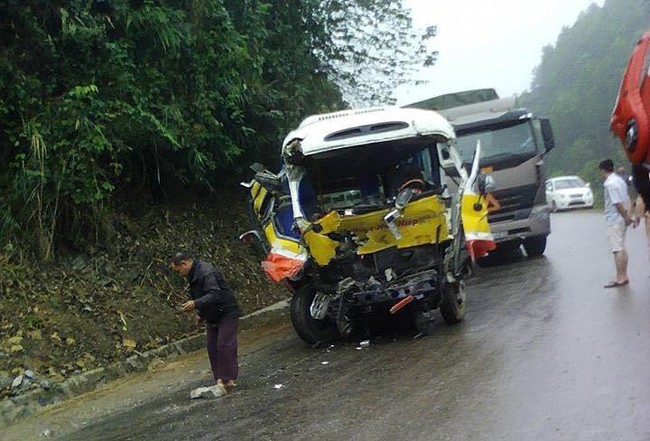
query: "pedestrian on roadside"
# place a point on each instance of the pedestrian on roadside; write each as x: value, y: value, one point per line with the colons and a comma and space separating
x: 641, y: 212
x: 617, y: 218
x: 641, y: 179
x: 216, y: 306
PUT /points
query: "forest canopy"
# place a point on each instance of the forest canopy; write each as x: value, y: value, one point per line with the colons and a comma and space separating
x: 105, y: 100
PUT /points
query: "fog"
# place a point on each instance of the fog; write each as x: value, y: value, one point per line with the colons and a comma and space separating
x: 495, y: 43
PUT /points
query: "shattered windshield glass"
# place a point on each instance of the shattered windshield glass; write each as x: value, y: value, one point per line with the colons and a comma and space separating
x: 366, y: 176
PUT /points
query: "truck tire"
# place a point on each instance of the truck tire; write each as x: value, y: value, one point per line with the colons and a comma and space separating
x: 535, y: 246
x: 309, y: 329
x: 453, y: 305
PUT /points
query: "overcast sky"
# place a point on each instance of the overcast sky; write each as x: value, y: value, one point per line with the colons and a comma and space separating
x: 488, y: 43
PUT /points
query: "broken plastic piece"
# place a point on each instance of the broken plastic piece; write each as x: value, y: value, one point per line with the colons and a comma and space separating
x: 216, y: 391
x: 279, y: 267
x: 402, y: 303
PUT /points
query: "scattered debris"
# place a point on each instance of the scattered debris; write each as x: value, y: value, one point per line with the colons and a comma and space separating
x: 66, y: 316
x: 29, y: 374
x: 325, y: 362
x: 17, y: 382
x: 123, y: 320
x: 278, y: 386
x: 365, y: 344
x: 215, y: 391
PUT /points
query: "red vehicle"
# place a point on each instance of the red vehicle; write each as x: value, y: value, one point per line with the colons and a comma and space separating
x: 630, y: 120
x: 631, y: 116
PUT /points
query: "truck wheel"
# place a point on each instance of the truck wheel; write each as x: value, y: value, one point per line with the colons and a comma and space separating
x: 453, y: 305
x: 535, y: 246
x: 308, y: 328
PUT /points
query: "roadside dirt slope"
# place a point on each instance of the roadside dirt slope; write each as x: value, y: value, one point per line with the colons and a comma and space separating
x: 86, y: 311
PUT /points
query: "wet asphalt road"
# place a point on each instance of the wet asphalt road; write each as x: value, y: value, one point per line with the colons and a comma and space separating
x: 545, y: 353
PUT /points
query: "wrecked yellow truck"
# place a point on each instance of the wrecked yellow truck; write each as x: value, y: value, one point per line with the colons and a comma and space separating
x: 359, y: 222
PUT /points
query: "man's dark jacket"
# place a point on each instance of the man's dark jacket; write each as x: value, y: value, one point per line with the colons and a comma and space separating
x: 213, y: 297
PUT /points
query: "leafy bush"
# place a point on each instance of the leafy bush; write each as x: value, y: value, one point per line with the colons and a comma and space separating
x: 139, y: 98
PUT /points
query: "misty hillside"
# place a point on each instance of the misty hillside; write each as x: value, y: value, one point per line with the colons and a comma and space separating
x: 576, y: 83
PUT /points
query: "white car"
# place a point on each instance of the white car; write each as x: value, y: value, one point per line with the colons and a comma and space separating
x: 566, y: 192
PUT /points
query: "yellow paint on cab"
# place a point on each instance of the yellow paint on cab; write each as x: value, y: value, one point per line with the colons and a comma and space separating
x: 321, y: 247
x: 258, y: 194
x: 423, y: 222
x: 280, y: 243
x: 474, y: 221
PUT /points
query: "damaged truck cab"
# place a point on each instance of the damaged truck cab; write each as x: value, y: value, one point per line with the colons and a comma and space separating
x: 359, y: 222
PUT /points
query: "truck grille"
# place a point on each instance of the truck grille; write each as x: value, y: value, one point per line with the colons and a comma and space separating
x: 516, y: 203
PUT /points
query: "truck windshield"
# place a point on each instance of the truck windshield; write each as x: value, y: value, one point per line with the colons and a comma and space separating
x: 363, y: 176
x: 503, y: 145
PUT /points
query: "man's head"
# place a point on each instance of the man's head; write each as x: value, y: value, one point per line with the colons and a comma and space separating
x: 606, y: 167
x: 181, y: 263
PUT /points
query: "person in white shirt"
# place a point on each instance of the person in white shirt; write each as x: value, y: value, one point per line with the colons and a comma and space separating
x: 617, y: 218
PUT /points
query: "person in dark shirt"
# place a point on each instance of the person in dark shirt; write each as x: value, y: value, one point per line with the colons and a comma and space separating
x: 216, y: 306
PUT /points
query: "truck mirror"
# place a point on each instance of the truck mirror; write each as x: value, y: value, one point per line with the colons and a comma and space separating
x: 293, y: 152
x: 547, y: 134
x: 257, y: 167
x: 269, y: 180
x: 253, y: 238
x: 444, y: 152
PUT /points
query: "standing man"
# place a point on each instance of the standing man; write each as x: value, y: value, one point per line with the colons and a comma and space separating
x: 215, y: 304
x: 640, y: 211
x: 617, y: 218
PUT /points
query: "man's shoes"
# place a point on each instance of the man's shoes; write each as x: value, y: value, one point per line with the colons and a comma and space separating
x: 230, y: 386
x: 615, y: 284
x: 216, y: 391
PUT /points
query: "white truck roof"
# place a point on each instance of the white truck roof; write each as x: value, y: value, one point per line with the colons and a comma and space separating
x: 350, y: 128
x: 480, y: 111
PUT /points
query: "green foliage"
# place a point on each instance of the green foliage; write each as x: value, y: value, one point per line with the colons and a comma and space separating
x: 577, y: 82
x: 146, y: 99
x: 370, y: 47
